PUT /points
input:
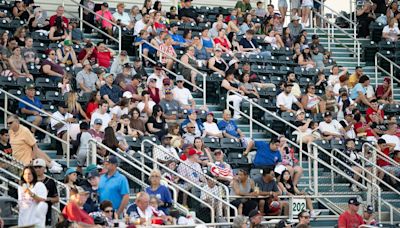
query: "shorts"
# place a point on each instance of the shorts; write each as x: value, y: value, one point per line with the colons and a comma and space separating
x: 282, y: 3
x: 295, y: 4
x: 307, y: 3
x: 32, y: 118
x: 392, y: 169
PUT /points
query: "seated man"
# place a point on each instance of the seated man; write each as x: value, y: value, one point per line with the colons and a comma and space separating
x: 61, y: 128
x: 190, y: 134
x: 192, y: 118
x: 122, y: 17
x: 171, y: 107
x: 102, y: 114
x: 29, y: 53
x: 166, y: 145
x: 141, y: 211
x: 86, y: 80
x: 159, y: 74
x: 230, y: 129
x: 331, y: 128
x: 249, y: 45
x: 268, y: 187
x: 188, y: 13
x: 32, y: 115
x: 220, y: 169
x: 103, y: 55
x: 387, y: 149
x: 384, y: 92
x: 183, y: 95
x: 110, y: 92
x: 285, y: 99
x: 267, y: 155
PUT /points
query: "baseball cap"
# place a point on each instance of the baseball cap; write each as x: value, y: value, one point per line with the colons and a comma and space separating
x: 30, y: 86
x: 314, y: 37
x: 386, y: 79
x: 192, y: 152
x: 90, y: 168
x: 354, y: 201
x: 105, y: 4
x: 254, y: 213
x: 78, y: 190
x: 299, y: 112
x: 342, y: 90
x: 233, y: 61
x: 295, y: 18
x: 218, y: 49
x: 326, y: 114
x: 112, y: 159
x: 93, y: 173
x: 88, y: 45
x: 86, y: 62
x: 69, y: 171
x: 166, y: 81
x: 123, y: 52
x: 179, y: 78
x: 98, y: 121
x: 158, y: 65
x: 218, y: 151
x: 127, y: 94
x: 369, y: 209
x: 168, y: 91
x: 127, y: 65
x: 39, y: 162
x: 304, y: 46
x: 190, y: 111
x: 210, y: 113
x: 166, y: 137
x: 107, y: 75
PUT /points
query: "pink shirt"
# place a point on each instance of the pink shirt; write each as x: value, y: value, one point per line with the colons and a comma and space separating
x: 107, y: 14
x: 167, y: 49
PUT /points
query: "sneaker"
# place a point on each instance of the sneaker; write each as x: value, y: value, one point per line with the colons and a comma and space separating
x: 314, y: 213
x: 55, y: 169
x: 354, y: 188
x: 54, y: 163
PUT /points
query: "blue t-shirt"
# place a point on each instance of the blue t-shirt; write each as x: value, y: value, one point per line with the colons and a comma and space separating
x: 114, y: 93
x: 36, y: 102
x: 145, y: 45
x: 264, y: 156
x: 357, y: 88
x: 229, y: 127
x: 113, y: 188
x: 162, y: 193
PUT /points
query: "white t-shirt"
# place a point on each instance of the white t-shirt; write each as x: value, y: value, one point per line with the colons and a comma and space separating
x: 159, y: 83
x: 211, y: 128
x: 285, y: 100
x: 106, y: 118
x: 125, y: 19
x: 116, y: 110
x: 332, y: 127
x: 183, y: 96
x: 140, y: 105
x: 58, y: 116
x: 30, y: 212
x: 139, y: 25
x: 392, y: 139
x: 393, y: 32
x: 271, y: 41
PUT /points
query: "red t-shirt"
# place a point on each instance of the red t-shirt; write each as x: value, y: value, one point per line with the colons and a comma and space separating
x: 347, y: 220
x: 73, y: 213
x: 53, y: 20
x: 382, y: 162
x: 372, y: 111
x: 360, y: 125
x: 103, y: 58
x: 223, y: 42
x: 91, y: 58
x: 380, y: 91
x: 91, y: 107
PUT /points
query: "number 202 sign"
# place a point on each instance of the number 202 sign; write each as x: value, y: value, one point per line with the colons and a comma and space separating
x: 298, y: 205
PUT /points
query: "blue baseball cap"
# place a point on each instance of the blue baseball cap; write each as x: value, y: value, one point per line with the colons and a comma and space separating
x: 70, y: 171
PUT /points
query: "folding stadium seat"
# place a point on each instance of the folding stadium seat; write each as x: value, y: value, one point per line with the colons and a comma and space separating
x: 285, y: 61
x: 212, y: 143
x: 237, y: 160
x: 134, y: 143
x: 270, y: 60
x: 337, y: 144
x: 324, y: 144
x: 257, y: 68
x: 255, y: 173
x: 16, y: 92
x: 55, y: 46
x: 8, y: 83
x: 227, y: 57
x: 256, y: 59
x: 22, y: 82
x: 312, y: 72
x: 318, y: 117
x: 269, y: 69
x: 203, y: 25
x: 230, y: 145
x: 275, y: 79
x: 271, y: 122
x: 304, y: 81
x: 388, y: 54
x: 40, y: 37
x: 84, y: 98
x: 151, y: 138
x: 53, y: 96
x: 270, y: 92
x: 45, y: 83
x: 77, y: 48
x: 369, y: 51
x: 300, y: 71
x: 393, y: 109
x: 4, y: 24
x: 265, y: 78
x: 288, y: 116
x: 201, y: 114
x: 386, y: 45
x: 241, y: 57
x: 50, y: 108
x: 14, y: 24
x: 40, y: 47
x: 376, y: 31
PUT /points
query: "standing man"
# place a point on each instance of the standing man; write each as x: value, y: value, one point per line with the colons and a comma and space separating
x: 350, y: 218
x: 114, y: 186
x: 52, y: 193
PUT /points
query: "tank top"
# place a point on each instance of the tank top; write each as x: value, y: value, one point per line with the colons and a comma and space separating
x: 245, y: 189
x: 207, y: 43
x: 69, y: 59
x: 233, y: 84
x: 312, y: 101
x: 220, y: 64
x: 59, y: 33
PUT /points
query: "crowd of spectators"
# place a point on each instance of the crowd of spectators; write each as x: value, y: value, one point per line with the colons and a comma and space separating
x: 138, y: 99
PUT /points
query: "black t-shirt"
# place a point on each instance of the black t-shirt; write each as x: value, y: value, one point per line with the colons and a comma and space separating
x: 380, y: 6
x: 247, y: 44
x: 188, y: 12
x: 92, y: 203
x: 156, y: 124
x: 6, y: 148
x: 51, y: 192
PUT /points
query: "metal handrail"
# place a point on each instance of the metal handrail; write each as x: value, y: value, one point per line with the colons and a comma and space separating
x: 390, y: 74
x: 220, y: 199
x: 96, y: 144
x: 339, y: 171
x: 323, y: 5
x: 356, y: 43
x: 6, y: 112
x: 204, y: 75
x: 119, y: 40
x: 381, y: 154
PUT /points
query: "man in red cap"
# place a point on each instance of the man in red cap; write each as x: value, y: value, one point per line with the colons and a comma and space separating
x: 191, y: 170
x: 384, y: 91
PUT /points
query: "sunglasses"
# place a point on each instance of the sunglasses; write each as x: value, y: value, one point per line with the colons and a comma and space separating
x: 9, y: 123
x: 191, y: 127
x: 108, y: 211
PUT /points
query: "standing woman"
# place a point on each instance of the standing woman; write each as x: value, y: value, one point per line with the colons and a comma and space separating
x: 283, y: 6
x: 32, y: 196
x: 306, y: 7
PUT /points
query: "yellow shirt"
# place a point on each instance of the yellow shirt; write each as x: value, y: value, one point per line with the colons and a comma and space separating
x: 353, y: 80
x: 21, y: 143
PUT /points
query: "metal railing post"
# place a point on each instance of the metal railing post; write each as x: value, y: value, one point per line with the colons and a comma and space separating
x: 204, y: 90
x: 329, y: 37
x: 391, y: 79
x: 315, y: 167
x: 376, y: 70
x: 6, y: 108
x: 80, y: 17
x: 93, y: 152
x: 251, y: 120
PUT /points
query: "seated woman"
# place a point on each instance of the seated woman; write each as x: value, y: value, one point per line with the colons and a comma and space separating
x: 287, y: 38
x: 187, y: 35
x: 136, y: 124
x: 222, y: 41
x: 20, y: 35
x: 232, y: 37
x: 304, y: 126
x: 50, y: 67
x: 274, y: 39
x: 305, y: 59
x: 190, y: 59
x: 206, y: 40
x: 111, y: 141
x: 20, y: 11
x: 200, y: 52
x: 310, y: 100
x: 248, y: 24
x: 57, y: 32
x: 248, y: 88
x: 391, y: 31
x: 289, y: 160
x: 75, y: 108
x: 160, y: 191
x: 66, y: 55
x: 156, y: 124
x: 243, y: 185
x: 17, y: 65
x: 287, y: 187
x: 204, y: 152
x: 211, y: 129
x: 217, y: 63
x: 231, y: 84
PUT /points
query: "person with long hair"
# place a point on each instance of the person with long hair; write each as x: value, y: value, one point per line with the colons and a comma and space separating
x: 310, y: 100
x: 206, y: 40
x: 287, y: 38
x: 222, y: 41
x: 167, y: 47
x: 4, y: 38
x: 243, y: 185
x: 106, y: 213
x: 93, y: 103
x: 137, y: 124
x: 159, y: 22
x: 20, y: 35
x: 74, y: 107
x: 153, y: 91
x: 160, y: 191
x: 20, y: 11
x: 204, y: 152
x: 70, y: 178
x: 156, y: 124
x: 231, y: 84
x: 248, y: 88
x: 189, y: 58
x: 121, y: 108
x: 217, y: 64
x: 200, y: 52
x: 146, y: 6
x: 176, y: 140
x: 111, y: 141
x: 18, y: 64
x: 232, y: 37
x: 305, y: 59
x: 58, y: 32
x: 286, y: 187
x: 66, y: 55
x: 32, y: 195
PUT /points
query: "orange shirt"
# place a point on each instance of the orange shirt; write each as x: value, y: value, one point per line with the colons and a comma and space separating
x: 22, y: 142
